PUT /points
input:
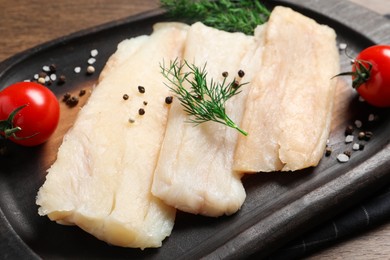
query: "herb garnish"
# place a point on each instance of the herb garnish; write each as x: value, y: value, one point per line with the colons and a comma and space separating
x: 203, y: 101
x: 229, y: 15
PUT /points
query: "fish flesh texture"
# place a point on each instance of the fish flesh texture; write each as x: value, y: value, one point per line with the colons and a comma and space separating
x: 194, y: 170
x: 101, y: 180
x: 288, y: 110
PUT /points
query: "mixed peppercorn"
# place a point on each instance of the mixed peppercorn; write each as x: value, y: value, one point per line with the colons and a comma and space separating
x: 49, y: 75
x: 353, y: 135
x: 141, y: 111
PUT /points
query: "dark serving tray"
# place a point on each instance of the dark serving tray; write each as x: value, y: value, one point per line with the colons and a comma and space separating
x: 279, y: 206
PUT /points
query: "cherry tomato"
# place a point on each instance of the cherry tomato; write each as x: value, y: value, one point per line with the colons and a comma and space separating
x: 371, y: 75
x: 31, y: 110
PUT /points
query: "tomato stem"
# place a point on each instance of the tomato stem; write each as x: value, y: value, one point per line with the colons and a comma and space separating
x: 12, y: 131
x: 361, y: 74
x: 7, y: 126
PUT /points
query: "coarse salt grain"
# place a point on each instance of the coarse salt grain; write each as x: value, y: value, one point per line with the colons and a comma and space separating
x: 94, y: 53
x: 47, y: 78
x: 53, y: 77
x: 356, y: 147
x: 349, y: 138
x: 342, y: 158
x: 36, y: 76
x: 91, y: 61
x: 371, y: 117
x: 46, y: 68
x: 342, y: 46
x: 358, y: 123
x: 77, y: 69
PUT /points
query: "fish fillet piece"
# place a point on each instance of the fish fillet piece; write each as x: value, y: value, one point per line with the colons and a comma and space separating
x: 125, y: 50
x: 102, y: 177
x: 288, y: 109
x: 194, y: 171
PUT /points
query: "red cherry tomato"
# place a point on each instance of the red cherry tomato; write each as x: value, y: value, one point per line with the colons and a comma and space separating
x: 31, y: 110
x: 371, y: 75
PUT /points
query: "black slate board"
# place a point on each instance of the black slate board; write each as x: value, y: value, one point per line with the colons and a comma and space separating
x: 278, y: 207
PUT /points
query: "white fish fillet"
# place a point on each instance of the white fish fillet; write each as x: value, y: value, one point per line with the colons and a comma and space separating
x: 194, y: 171
x: 103, y: 174
x: 288, y: 110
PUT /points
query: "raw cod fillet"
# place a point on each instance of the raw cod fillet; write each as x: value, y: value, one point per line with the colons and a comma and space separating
x: 194, y: 171
x: 288, y: 110
x: 102, y: 177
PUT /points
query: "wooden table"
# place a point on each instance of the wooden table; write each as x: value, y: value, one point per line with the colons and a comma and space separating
x: 26, y: 23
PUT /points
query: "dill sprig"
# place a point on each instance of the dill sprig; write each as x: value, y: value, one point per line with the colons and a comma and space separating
x: 229, y: 15
x: 203, y: 101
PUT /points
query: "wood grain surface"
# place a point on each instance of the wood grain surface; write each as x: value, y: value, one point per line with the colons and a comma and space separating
x: 27, y: 23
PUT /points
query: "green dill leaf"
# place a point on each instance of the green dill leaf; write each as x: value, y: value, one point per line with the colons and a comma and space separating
x: 229, y: 15
x: 201, y: 100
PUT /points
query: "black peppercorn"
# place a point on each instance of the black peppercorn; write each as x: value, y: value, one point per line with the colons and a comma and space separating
x: 168, y: 100
x: 52, y: 68
x: 348, y: 153
x: 72, y: 101
x: 141, y: 89
x: 235, y: 84
x: 328, y: 151
x: 349, y: 130
x: 66, y: 97
x: 42, y: 74
x: 61, y: 80
x: 368, y: 135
